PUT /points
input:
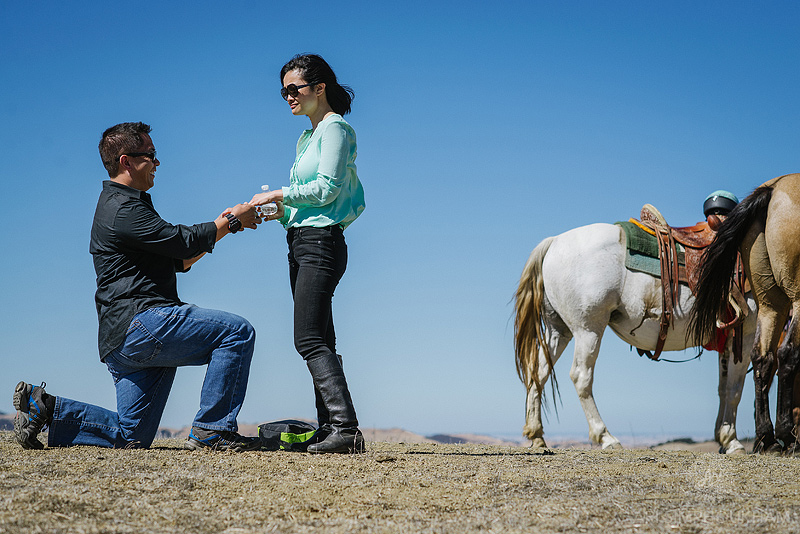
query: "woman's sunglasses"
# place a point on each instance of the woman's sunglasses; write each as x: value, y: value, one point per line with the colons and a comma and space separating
x: 293, y: 90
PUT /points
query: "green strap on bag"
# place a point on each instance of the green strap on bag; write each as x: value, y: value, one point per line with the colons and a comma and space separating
x: 287, y: 435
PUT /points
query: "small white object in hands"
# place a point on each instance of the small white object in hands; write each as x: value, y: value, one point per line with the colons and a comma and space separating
x: 267, y: 209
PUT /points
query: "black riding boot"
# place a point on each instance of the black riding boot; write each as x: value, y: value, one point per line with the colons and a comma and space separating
x: 330, y: 383
x: 323, y: 417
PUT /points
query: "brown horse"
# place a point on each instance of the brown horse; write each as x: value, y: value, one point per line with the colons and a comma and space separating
x: 765, y: 229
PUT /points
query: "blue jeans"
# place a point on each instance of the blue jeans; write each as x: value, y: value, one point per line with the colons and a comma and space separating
x: 160, y: 340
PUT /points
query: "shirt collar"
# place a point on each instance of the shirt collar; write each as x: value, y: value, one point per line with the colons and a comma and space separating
x: 129, y: 191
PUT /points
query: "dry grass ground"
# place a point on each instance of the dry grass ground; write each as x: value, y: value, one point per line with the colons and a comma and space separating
x: 394, y: 488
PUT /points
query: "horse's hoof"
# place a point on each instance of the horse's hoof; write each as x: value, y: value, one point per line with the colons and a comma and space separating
x: 773, y: 449
x: 733, y: 448
x: 792, y: 451
x: 612, y: 445
x: 538, y: 443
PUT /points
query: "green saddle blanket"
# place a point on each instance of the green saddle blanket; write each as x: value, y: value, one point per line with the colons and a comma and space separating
x: 641, y: 250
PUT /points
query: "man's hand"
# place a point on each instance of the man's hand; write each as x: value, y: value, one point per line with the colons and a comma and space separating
x: 245, y: 213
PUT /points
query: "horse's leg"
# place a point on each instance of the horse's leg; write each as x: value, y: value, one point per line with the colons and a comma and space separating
x: 796, y: 411
x: 587, y: 347
x: 764, y: 368
x: 773, y: 307
x: 796, y: 406
x: 731, y: 381
x: 782, y: 239
x: 533, y: 429
x: 584, y: 298
x: 788, y: 365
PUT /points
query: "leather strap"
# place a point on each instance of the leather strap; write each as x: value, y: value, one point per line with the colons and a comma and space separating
x: 694, y: 239
x: 670, y: 281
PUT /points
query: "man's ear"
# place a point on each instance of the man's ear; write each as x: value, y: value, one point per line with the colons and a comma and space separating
x: 124, y: 161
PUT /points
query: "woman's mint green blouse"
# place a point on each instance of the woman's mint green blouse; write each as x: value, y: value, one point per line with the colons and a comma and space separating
x: 323, y: 187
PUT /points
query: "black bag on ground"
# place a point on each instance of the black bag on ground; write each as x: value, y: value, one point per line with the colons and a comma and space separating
x: 287, y: 435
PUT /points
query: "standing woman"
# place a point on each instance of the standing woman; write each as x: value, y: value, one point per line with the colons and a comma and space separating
x: 323, y: 197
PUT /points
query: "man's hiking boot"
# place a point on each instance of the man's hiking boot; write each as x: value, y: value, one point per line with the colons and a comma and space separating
x: 220, y: 440
x: 32, y: 414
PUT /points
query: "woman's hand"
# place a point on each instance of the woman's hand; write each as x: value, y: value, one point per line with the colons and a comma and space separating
x: 267, y: 197
x: 259, y: 199
x: 278, y: 214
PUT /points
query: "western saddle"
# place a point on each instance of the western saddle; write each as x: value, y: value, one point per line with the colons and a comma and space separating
x: 694, y: 240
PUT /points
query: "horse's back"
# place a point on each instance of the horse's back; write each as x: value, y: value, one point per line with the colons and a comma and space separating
x: 589, y: 250
x: 789, y: 181
x: 597, y: 238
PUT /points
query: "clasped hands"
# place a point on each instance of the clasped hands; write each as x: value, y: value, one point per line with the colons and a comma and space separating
x: 248, y: 214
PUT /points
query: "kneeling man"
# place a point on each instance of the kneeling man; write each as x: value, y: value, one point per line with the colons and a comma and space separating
x: 146, y: 332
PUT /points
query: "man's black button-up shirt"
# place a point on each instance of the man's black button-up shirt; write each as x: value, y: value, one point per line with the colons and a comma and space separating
x: 136, y: 254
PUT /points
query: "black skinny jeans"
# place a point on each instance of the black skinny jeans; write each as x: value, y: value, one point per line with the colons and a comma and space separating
x: 317, y: 261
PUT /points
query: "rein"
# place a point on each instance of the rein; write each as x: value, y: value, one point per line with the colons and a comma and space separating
x: 647, y: 353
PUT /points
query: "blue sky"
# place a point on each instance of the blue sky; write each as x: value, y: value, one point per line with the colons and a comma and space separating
x: 482, y: 129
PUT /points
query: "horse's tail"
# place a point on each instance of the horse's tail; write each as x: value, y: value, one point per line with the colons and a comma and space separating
x: 719, y: 262
x: 529, y: 328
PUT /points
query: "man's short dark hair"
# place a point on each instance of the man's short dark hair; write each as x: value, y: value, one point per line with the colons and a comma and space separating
x: 118, y: 140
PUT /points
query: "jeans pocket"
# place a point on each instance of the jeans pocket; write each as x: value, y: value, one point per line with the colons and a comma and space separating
x: 140, y: 345
x: 312, y: 234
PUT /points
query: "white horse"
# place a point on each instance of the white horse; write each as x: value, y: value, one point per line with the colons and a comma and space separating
x: 573, y: 286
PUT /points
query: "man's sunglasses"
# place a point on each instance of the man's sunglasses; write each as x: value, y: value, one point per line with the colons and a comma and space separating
x: 293, y: 90
x: 151, y: 155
